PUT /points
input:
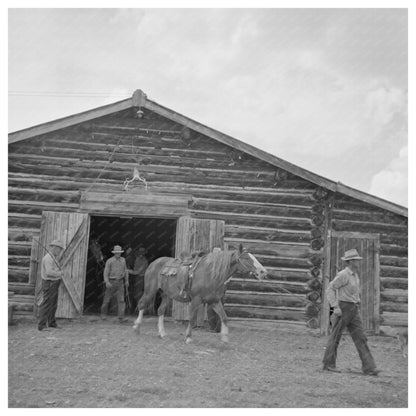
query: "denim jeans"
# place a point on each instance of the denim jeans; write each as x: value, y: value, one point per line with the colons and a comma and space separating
x: 351, y: 320
x: 47, y: 308
x: 117, y: 288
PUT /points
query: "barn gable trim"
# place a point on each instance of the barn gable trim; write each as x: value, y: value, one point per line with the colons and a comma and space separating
x: 139, y: 203
x: 139, y: 99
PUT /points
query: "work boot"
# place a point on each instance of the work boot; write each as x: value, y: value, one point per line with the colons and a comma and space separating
x: 43, y: 328
x: 373, y: 372
x: 331, y: 368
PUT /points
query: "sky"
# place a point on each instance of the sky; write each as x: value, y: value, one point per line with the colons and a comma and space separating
x: 324, y: 89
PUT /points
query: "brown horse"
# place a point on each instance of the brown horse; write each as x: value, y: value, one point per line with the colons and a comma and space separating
x: 209, y: 279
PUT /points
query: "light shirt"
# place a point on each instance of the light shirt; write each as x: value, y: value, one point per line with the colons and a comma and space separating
x: 49, y: 269
x: 115, y: 268
x: 345, y: 287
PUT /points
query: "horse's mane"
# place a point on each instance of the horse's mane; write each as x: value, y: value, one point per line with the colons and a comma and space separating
x: 217, y: 264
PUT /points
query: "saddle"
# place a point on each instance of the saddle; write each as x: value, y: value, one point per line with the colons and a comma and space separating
x: 183, y: 269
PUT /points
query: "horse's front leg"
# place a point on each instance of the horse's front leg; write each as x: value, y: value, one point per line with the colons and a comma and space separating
x: 138, y: 321
x: 193, y: 312
x: 219, y: 309
x: 161, y: 312
x: 143, y: 302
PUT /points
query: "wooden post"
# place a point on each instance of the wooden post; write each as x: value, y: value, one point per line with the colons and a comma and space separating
x: 326, y: 267
x: 377, y: 286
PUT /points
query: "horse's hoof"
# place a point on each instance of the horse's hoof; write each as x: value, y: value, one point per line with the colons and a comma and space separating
x: 136, y: 329
x: 161, y: 336
x: 188, y: 340
x: 224, y: 338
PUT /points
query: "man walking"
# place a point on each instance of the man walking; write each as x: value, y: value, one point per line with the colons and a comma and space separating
x: 116, y: 277
x: 51, y: 274
x: 137, y: 276
x: 343, y: 295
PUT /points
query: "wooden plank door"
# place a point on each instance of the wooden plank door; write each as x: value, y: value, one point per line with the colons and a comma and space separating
x: 194, y: 234
x: 368, y: 245
x: 72, y: 229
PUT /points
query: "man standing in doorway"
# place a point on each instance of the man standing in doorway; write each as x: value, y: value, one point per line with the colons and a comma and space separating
x: 343, y: 295
x: 51, y: 274
x: 137, y: 276
x: 116, y: 277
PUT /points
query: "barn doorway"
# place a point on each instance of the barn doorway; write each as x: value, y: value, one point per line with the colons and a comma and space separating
x: 156, y: 235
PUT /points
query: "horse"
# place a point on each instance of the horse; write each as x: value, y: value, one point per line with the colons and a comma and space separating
x: 207, y: 285
x: 95, y: 248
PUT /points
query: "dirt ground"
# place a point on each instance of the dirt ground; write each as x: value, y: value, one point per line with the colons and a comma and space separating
x: 93, y: 363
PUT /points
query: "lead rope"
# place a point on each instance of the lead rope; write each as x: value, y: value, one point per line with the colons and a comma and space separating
x: 245, y: 267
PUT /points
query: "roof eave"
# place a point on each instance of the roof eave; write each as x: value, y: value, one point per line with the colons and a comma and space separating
x: 371, y: 199
x: 70, y: 121
x: 274, y: 160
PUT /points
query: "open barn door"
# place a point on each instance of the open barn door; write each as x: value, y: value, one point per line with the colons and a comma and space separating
x: 73, y: 230
x: 194, y: 234
x: 368, y: 245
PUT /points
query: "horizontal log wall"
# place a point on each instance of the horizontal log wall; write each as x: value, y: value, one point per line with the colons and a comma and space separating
x: 355, y: 216
x: 266, y: 209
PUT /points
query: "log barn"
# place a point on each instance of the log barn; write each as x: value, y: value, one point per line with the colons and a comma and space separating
x: 135, y: 172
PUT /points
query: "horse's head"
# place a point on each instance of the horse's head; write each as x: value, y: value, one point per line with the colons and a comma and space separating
x: 96, y: 250
x: 247, y: 263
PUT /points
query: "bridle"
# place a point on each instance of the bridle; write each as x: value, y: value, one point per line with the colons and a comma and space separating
x: 245, y: 268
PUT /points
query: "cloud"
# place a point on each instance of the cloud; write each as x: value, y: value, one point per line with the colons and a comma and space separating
x: 245, y: 29
x: 383, y: 102
x: 306, y: 102
x: 392, y: 182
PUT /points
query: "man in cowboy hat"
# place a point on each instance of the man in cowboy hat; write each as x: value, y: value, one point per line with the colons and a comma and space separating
x: 137, y: 276
x: 343, y: 295
x: 116, y: 276
x: 51, y: 274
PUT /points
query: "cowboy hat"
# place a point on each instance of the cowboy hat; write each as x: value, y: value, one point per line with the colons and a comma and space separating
x: 117, y: 249
x: 57, y: 243
x: 351, y: 255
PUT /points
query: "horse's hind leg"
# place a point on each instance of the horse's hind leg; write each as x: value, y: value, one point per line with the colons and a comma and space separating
x: 193, y: 312
x: 161, y: 312
x: 219, y: 309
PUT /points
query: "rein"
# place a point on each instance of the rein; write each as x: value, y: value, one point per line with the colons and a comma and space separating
x: 282, y: 288
x: 248, y: 270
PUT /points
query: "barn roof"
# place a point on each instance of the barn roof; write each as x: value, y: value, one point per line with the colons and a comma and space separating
x: 139, y: 99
